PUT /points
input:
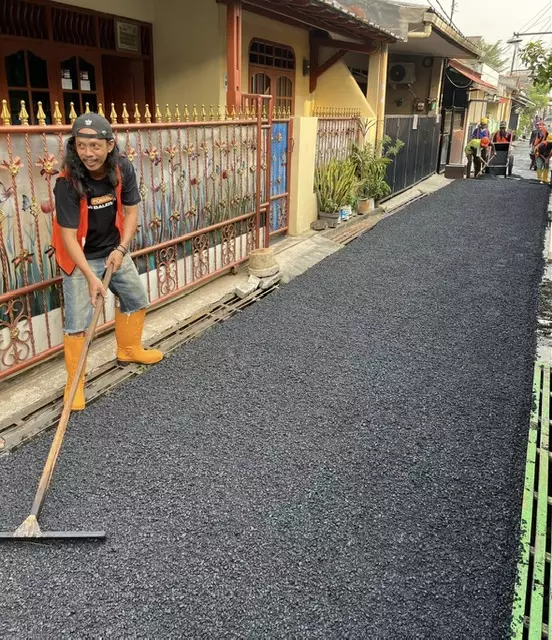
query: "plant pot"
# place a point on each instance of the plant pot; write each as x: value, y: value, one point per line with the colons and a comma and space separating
x: 346, y: 212
x: 332, y: 219
x: 366, y: 206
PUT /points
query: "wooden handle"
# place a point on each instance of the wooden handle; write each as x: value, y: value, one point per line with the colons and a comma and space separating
x: 66, y: 413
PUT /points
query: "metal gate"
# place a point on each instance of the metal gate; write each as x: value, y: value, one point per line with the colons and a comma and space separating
x: 418, y: 158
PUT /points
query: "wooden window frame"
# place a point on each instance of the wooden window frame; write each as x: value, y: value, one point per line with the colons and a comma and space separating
x: 54, y: 52
x: 274, y: 73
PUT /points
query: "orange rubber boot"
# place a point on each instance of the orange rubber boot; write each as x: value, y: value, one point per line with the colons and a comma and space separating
x: 128, y: 332
x: 73, y: 346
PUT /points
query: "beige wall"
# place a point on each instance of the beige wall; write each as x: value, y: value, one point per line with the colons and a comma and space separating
x: 337, y: 88
x: 255, y: 26
x: 190, y: 52
x: 303, y: 205
x: 418, y: 91
x: 136, y: 9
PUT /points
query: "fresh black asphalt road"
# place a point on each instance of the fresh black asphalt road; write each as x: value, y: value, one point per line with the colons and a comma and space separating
x: 343, y: 460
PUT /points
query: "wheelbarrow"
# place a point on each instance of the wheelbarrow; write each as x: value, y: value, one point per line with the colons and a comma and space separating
x: 502, y: 162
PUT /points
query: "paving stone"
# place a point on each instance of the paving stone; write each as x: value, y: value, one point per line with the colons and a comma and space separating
x: 247, y: 288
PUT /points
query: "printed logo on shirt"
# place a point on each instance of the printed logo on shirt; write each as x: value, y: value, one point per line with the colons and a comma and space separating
x: 101, y: 202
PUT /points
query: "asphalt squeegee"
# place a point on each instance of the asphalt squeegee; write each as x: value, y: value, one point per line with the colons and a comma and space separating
x: 29, y: 530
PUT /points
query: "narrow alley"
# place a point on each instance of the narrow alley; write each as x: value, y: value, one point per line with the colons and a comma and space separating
x: 344, y: 459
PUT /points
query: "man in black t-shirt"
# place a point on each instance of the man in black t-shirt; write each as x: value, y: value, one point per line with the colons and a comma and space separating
x: 97, y: 199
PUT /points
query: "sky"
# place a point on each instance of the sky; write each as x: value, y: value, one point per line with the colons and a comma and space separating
x: 498, y: 19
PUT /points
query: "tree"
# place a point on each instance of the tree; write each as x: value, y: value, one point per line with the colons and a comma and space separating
x: 538, y: 94
x: 491, y: 54
x: 539, y: 60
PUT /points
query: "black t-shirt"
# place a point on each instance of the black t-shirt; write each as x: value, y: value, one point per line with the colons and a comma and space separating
x: 103, y: 236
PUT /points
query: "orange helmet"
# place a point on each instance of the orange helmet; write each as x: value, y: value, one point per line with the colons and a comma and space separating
x: 485, y: 142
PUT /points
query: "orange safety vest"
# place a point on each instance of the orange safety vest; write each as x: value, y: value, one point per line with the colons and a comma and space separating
x: 62, y: 257
x: 498, y: 138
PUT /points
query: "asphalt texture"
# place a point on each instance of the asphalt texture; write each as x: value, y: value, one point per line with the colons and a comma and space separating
x: 343, y: 460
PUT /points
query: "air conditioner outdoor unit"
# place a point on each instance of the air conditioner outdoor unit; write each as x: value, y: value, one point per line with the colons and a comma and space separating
x: 402, y: 73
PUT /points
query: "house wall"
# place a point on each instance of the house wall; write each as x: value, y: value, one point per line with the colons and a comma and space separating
x: 190, y: 52
x: 338, y: 88
x: 259, y: 27
x: 136, y: 9
x: 418, y: 91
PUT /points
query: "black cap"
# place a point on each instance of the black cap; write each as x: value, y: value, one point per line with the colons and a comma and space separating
x: 92, y: 121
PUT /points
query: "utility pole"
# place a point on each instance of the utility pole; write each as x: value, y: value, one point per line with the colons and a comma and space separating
x: 453, y: 7
x: 515, y: 41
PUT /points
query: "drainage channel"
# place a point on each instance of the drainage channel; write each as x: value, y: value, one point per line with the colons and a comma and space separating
x: 44, y: 415
x: 532, y: 610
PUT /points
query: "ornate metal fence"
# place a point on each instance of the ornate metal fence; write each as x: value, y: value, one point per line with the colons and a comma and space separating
x: 338, y: 129
x: 204, y: 178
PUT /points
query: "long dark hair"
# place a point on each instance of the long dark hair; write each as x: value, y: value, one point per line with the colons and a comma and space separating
x: 78, y: 173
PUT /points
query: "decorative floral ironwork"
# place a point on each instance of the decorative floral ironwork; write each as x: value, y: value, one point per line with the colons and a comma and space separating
x: 47, y: 165
x: 18, y: 324
x: 153, y: 155
x: 168, y: 271
x: 228, y: 244
x: 25, y: 257
x: 14, y: 166
x: 200, y: 255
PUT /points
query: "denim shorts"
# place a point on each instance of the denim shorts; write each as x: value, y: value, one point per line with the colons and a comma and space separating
x: 541, y: 163
x: 125, y: 284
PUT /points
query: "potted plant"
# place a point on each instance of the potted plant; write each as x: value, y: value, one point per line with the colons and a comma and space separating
x: 335, y: 184
x: 371, y: 164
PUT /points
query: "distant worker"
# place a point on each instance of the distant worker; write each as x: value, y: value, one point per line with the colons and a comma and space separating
x: 474, y: 154
x: 543, y: 151
x: 502, y: 136
x: 481, y: 131
x: 532, y: 139
x: 540, y: 136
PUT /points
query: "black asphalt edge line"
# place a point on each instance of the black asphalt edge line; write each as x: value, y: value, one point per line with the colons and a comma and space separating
x: 44, y: 415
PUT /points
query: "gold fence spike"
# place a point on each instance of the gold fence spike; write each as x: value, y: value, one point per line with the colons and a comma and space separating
x: 177, y: 114
x: 158, y: 116
x: 72, y: 113
x: 220, y: 115
x: 226, y: 112
x: 137, y: 116
x: 186, y: 113
x: 23, y: 114
x: 263, y: 112
x: 40, y: 115
x: 147, y: 114
x: 211, y: 113
x: 168, y: 114
x: 125, y: 114
x: 6, y: 116
x: 87, y: 107
x: 101, y: 110
x: 195, y: 115
x: 57, y: 116
x: 113, y: 114
x: 234, y: 114
x: 203, y: 114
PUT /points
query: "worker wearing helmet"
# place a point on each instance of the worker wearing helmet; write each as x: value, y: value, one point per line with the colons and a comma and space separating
x: 502, y: 135
x: 474, y: 154
x: 543, y: 151
x: 481, y: 131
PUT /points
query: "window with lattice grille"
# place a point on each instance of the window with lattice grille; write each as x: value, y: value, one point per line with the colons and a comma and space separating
x: 272, y: 72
